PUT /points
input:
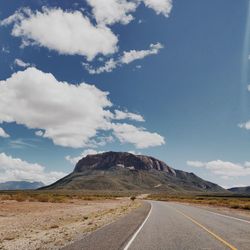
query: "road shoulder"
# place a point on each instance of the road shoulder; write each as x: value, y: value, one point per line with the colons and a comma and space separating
x: 115, y: 235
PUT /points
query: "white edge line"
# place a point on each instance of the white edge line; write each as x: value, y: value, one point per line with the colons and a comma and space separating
x: 138, y: 230
x: 231, y: 217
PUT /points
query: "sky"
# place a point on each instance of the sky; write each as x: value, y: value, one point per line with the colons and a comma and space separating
x: 165, y: 78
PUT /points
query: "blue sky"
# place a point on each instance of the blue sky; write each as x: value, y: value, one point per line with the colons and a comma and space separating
x: 176, y: 73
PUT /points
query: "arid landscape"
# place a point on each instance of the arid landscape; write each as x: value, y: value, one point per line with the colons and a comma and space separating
x: 53, y: 224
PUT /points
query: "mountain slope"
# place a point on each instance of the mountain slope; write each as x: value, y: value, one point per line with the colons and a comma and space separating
x: 118, y: 171
x: 14, y: 185
x: 240, y: 190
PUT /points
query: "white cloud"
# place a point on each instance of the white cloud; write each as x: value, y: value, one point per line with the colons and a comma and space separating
x: 21, y: 63
x: 132, y: 55
x: 112, y: 11
x: 3, y: 133
x: 74, y: 160
x: 160, y: 6
x: 121, y: 115
x: 108, y: 67
x: 15, y: 169
x: 247, y: 164
x: 126, y: 58
x: 223, y: 168
x: 134, y: 152
x: 245, y: 125
x: 74, y: 113
x: 109, y: 12
x: 39, y: 133
x: 137, y: 136
x: 66, y: 32
x: 22, y: 143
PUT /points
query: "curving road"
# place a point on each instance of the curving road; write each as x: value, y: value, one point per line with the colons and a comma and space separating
x: 170, y: 226
x: 176, y: 226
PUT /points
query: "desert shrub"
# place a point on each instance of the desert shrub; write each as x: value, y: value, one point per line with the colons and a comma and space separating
x: 4, y: 197
x: 246, y: 206
x: 234, y: 205
x: 20, y: 197
x: 132, y: 198
x: 43, y: 198
x: 58, y: 199
x: 54, y: 226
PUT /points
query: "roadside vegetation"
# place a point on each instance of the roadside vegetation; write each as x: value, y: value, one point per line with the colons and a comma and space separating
x: 235, y: 202
x: 57, y: 197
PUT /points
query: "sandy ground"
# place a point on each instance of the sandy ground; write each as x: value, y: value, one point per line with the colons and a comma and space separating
x: 44, y: 225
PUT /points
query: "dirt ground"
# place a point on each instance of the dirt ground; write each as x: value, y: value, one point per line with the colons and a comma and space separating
x: 44, y: 225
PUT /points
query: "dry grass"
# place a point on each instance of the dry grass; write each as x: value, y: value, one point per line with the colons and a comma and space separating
x: 223, y: 201
x: 52, y: 196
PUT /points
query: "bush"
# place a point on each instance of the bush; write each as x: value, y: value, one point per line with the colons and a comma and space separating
x: 20, y: 197
x: 43, y: 198
x: 132, y: 198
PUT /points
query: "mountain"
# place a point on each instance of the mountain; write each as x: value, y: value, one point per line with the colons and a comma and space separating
x: 120, y: 171
x: 240, y: 190
x: 14, y: 185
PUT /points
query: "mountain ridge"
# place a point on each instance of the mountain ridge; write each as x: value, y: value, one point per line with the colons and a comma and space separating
x: 123, y: 171
x: 22, y: 185
x: 240, y: 190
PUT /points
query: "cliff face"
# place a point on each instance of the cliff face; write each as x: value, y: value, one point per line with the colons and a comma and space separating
x: 108, y: 160
x: 122, y: 171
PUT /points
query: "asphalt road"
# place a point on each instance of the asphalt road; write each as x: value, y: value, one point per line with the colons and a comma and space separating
x: 175, y: 226
x: 115, y: 235
x: 170, y: 226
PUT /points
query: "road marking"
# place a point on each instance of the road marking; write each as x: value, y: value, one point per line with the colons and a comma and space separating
x: 138, y: 230
x: 231, y: 217
x: 206, y: 229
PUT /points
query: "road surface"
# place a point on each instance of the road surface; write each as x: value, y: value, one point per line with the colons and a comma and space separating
x: 173, y: 226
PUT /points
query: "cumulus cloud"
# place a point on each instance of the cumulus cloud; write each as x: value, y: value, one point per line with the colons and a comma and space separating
x: 21, y: 63
x: 160, y: 6
x: 109, y: 12
x: 121, y: 115
x: 223, y: 168
x: 15, y: 169
x: 3, y: 133
x: 74, y: 160
x: 74, y: 113
x: 126, y: 58
x: 141, y: 138
x: 112, y: 11
x: 67, y: 32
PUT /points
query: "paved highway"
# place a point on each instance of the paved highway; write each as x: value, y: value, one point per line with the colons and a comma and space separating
x: 170, y: 226
x: 176, y: 226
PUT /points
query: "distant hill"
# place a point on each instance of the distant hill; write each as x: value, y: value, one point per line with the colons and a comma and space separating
x: 120, y: 171
x: 240, y: 190
x: 14, y: 185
